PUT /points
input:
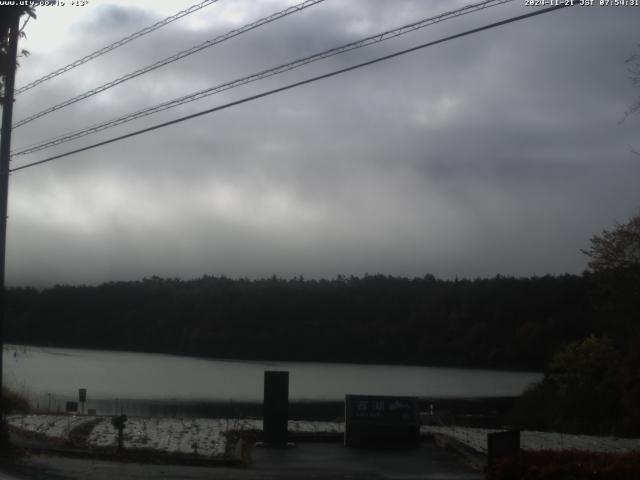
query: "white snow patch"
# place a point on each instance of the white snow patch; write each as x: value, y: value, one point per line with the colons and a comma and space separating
x: 51, y: 426
x: 194, y: 436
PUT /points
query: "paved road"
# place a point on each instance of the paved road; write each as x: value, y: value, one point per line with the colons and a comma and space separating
x: 6, y: 476
x: 319, y: 461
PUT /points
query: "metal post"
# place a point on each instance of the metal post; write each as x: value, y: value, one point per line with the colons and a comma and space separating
x: 5, y: 152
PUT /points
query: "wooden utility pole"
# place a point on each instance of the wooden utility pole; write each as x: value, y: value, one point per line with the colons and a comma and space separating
x: 5, y: 153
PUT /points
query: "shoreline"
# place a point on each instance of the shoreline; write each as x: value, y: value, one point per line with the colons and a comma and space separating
x: 474, y: 412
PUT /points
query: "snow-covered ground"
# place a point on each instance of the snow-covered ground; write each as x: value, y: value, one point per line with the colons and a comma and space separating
x: 476, y: 438
x: 207, y: 437
x: 197, y: 436
x: 50, y: 426
x: 190, y: 436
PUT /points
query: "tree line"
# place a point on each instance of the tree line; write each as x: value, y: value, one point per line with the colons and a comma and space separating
x: 499, y: 322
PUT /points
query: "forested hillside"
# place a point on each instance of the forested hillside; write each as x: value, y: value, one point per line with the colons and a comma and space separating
x: 499, y: 322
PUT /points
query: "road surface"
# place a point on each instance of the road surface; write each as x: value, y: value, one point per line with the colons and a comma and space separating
x: 318, y: 461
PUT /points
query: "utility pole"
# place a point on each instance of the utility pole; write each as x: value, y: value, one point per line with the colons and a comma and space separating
x: 5, y: 152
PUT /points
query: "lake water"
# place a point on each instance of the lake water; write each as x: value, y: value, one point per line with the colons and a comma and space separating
x: 54, y: 375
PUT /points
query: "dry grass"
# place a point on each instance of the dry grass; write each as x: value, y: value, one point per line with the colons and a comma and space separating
x: 553, y: 465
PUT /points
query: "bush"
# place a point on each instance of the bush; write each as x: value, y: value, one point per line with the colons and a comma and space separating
x: 551, y: 465
x: 13, y: 402
x: 579, y: 392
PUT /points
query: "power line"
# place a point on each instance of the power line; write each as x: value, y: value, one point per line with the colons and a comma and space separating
x: 294, y: 85
x: 373, y: 39
x: 114, y: 45
x: 171, y: 59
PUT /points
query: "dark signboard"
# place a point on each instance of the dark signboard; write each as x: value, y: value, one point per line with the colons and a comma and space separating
x: 379, y: 419
x: 384, y: 409
x: 72, y: 406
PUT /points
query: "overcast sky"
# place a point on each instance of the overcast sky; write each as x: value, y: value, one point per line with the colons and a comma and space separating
x: 499, y: 153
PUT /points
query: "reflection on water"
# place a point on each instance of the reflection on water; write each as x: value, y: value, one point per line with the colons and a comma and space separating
x: 50, y: 376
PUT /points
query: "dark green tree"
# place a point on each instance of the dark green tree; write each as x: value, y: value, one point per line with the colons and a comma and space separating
x: 579, y: 391
x: 583, y: 378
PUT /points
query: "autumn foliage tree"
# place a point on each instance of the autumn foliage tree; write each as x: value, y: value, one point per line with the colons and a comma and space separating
x: 614, y: 264
x: 617, y: 249
x: 633, y: 64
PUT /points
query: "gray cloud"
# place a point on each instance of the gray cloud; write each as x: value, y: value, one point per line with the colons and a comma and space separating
x: 499, y: 153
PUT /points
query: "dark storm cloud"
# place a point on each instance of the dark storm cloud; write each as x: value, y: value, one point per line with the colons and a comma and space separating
x: 499, y: 153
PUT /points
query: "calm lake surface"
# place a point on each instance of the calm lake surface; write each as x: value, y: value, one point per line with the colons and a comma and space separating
x: 44, y: 374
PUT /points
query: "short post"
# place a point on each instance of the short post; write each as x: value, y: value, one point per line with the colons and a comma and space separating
x: 118, y: 423
x: 82, y: 398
